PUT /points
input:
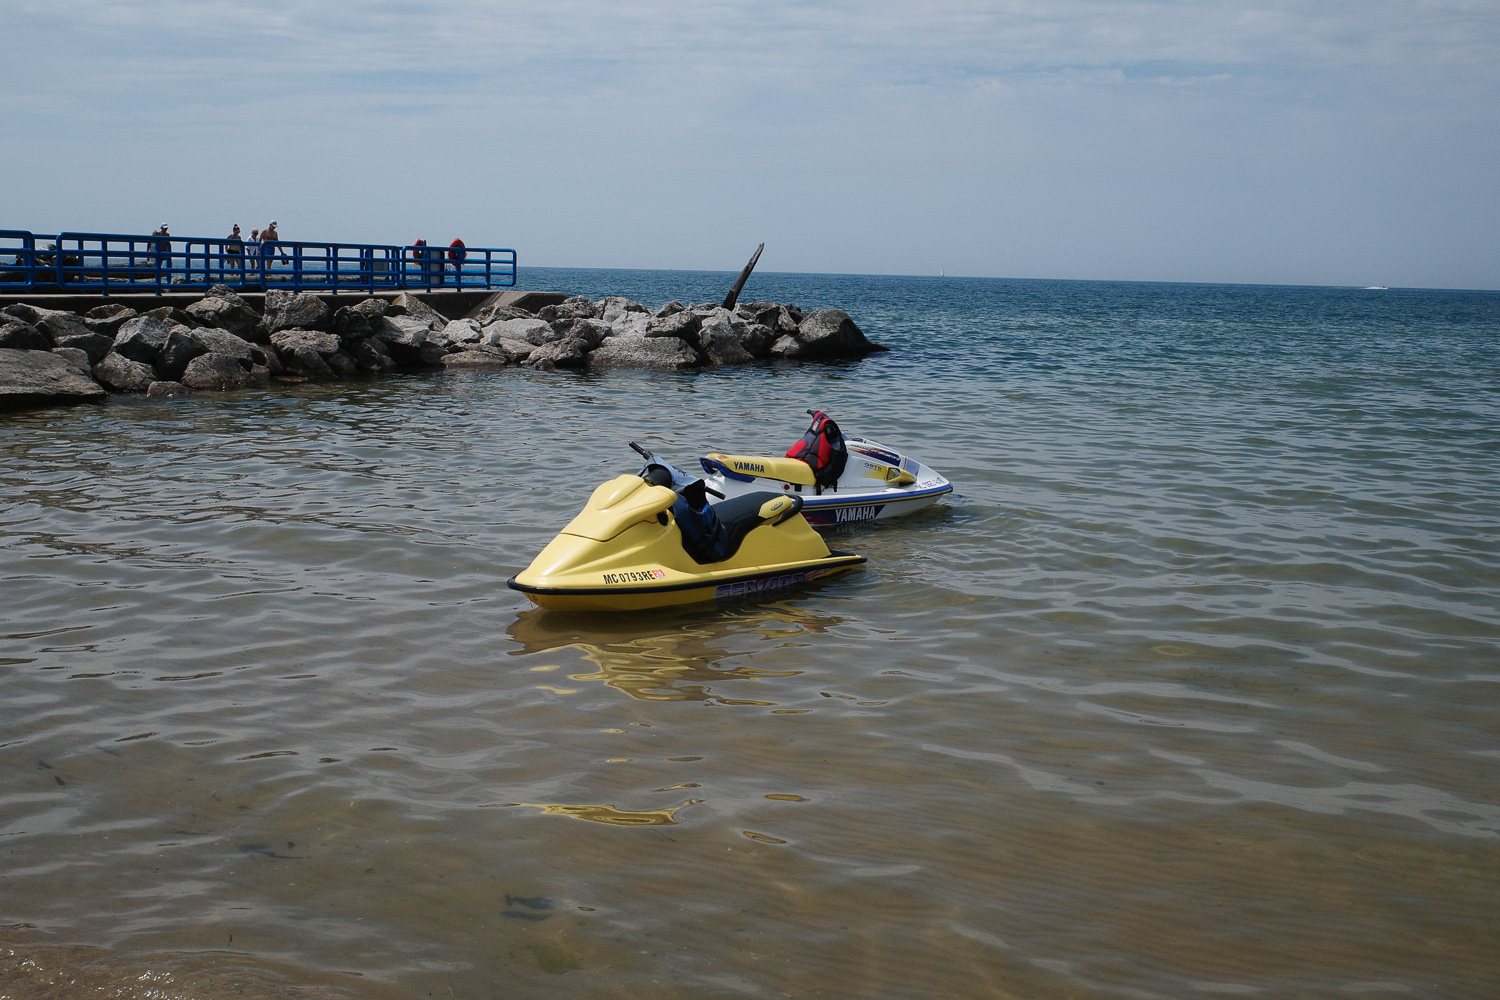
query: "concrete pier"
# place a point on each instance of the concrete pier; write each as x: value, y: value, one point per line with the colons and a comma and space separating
x: 449, y: 303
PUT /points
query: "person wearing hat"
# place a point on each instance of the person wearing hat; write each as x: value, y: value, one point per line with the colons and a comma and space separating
x: 163, y: 251
x: 268, y: 238
x: 234, y: 249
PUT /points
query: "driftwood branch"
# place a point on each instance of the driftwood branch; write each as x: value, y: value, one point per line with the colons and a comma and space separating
x: 734, y: 293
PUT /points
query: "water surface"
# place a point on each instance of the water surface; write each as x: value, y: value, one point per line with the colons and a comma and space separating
x: 1190, y: 689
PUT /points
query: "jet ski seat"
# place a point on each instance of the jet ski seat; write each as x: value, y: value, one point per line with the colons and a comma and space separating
x: 747, y: 467
x: 713, y: 533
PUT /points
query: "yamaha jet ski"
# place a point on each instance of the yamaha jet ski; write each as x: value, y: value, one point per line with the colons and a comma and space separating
x: 840, y: 479
x: 654, y: 540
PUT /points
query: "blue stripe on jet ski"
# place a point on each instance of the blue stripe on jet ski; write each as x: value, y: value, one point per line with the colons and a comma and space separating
x: 834, y: 500
x: 835, y: 560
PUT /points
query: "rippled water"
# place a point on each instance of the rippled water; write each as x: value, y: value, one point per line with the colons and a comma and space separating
x: 1190, y: 690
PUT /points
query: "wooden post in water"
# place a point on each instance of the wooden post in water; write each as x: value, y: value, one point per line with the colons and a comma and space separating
x: 734, y: 293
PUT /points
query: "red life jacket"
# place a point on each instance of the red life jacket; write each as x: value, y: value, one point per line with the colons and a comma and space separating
x: 822, y: 447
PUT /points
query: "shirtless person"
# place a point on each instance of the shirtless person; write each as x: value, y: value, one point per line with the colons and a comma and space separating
x: 268, y: 238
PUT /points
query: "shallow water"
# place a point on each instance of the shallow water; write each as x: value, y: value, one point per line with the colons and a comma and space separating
x: 1190, y: 689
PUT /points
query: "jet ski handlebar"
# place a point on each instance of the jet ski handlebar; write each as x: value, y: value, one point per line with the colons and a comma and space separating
x: 678, y: 480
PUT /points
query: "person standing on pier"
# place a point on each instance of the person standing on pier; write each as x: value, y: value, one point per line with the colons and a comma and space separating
x: 234, y: 250
x: 268, y: 238
x: 163, y: 252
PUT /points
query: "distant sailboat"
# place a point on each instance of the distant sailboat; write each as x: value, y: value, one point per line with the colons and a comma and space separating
x: 940, y: 271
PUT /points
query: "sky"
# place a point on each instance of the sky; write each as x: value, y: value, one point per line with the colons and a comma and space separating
x: 1280, y: 142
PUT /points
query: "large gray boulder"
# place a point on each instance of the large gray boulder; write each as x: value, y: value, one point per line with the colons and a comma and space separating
x: 313, y: 354
x: 574, y: 307
x: 358, y: 321
x: 180, y: 348
x: 371, y: 354
x: 612, y: 307
x: 631, y: 324
x: 516, y: 350
x: 25, y: 312
x: 38, y: 378
x: 288, y: 341
x: 217, y: 371
x: 401, y: 331
x: 75, y: 357
x: 532, y: 331
x: 162, y: 390
x: 110, y: 310
x: 458, y: 333
x: 300, y: 310
x: 224, y: 309
x: 123, y: 374
x: 106, y: 320
x: 171, y: 314
x: 95, y: 345
x: 58, y: 324
x: 18, y: 336
x: 681, y: 324
x: 721, y: 326
x: 781, y: 320
x: 477, y: 359
x: 407, y: 304
x: 657, y: 352
x: 490, y: 314
x: 591, y: 331
x: 569, y: 352
x: 721, y: 345
x: 826, y: 333
x: 224, y: 342
x: 141, y: 338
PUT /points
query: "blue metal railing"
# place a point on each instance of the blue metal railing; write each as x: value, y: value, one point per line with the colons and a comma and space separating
x: 112, y: 262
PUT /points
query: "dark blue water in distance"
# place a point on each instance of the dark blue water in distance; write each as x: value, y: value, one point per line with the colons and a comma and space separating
x: 1190, y: 689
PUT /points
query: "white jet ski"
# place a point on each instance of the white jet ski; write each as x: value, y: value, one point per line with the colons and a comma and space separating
x: 840, y: 479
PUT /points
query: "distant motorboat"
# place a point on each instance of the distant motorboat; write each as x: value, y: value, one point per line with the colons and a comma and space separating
x: 1375, y: 288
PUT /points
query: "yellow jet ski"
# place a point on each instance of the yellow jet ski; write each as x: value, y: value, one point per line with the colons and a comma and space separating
x: 654, y: 540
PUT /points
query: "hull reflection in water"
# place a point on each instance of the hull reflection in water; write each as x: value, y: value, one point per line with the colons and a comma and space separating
x: 666, y: 657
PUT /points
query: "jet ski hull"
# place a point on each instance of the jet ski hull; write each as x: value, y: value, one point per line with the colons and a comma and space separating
x: 723, y: 587
x: 625, y: 552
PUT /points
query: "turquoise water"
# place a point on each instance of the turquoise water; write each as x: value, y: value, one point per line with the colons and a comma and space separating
x: 1190, y: 688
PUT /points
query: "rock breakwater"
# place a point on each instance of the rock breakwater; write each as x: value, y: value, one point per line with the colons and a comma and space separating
x: 222, y: 342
